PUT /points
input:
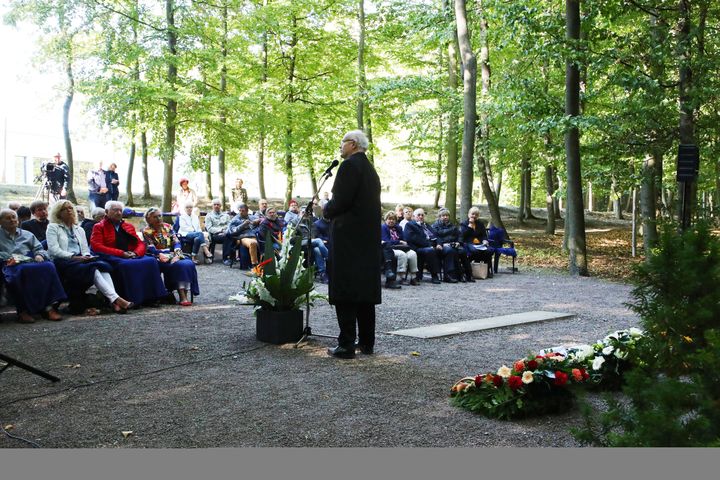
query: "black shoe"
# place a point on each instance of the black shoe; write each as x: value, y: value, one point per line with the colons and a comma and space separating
x: 389, y: 275
x: 470, y: 278
x: 392, y: 285
x: 365, y: 349
x: 435, y: 280
x: 449, y: 279
x: 341, y: 352
x: 414, y: 281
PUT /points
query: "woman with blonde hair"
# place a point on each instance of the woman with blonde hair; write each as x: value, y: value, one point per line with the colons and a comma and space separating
x: 77, y: 268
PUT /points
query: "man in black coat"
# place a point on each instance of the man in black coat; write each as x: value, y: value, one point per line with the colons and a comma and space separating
x: 354, y: 263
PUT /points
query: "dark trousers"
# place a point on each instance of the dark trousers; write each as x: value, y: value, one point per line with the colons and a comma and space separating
x: 97, y: 199
x: 226, y: 241
x: 350, y: 314
x: 449, y: 257
x: 428, y: 257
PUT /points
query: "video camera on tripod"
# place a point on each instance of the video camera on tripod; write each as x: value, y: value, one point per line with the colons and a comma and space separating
x: 50, y: 184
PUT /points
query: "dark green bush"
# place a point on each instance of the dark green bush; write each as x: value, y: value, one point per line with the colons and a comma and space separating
x: 671, y: 397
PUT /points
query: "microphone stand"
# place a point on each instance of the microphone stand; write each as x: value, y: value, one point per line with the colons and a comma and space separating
x: 307, y: 215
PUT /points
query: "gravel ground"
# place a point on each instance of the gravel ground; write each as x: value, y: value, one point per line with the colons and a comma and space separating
x: 197, y: 377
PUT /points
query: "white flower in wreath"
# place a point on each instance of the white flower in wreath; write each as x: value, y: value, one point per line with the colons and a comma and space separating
x: 504, y: 371
x: 635, y: 332
x: 581, y: 353
x: 608, y: 350
x: 621, y: 354
x: 597, y: 363
x: 527, y: 377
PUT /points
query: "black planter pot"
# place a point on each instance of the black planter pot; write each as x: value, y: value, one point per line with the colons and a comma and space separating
x: 278, y: 327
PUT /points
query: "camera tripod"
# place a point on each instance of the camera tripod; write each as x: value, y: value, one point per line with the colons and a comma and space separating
x: 12, y: 362
x: 45, y: 192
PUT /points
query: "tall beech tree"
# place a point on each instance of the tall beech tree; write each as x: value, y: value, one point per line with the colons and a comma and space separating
x: 575, y: 220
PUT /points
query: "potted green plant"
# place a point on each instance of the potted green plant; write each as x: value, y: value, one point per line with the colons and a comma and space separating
x: 278, y: 291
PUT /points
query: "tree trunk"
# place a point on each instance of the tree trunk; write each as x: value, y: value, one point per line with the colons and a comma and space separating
x: 223, y: 112
x: 484, y: 141
x: 451, y: 147
x: 549, y: 201
x: 144, y: 155
x: 498, y: 184
x: 360, y: 109
x: 469, y: 105
x: 128, y: 182
x: 261, y: 143
x: 168, y: 148
x: 439, y: 168
x: 615, y: 199
x: 69, y: 94
x: 556, y: 187
x: 590, y: 198
x: 313, y: 178
x: 288, y: 166
x: 575, y: 221
x: 208, y: 179
x: 522, y: 190
x: 648, y: 197
x: 688, y: 194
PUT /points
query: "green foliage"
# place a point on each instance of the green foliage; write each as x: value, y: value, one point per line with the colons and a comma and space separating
x: 673, y: 391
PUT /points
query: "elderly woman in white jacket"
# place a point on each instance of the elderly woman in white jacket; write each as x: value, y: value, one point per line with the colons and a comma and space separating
x: 77, y: 268
x: 190, y: 228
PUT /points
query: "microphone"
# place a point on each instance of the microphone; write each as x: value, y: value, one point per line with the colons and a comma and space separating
x: 328, y: 172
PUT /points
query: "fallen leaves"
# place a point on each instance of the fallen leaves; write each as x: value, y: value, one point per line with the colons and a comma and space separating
x: 126, y: 433
x: 9, y: 427
x: 72, y: 365
x: 415, y: 354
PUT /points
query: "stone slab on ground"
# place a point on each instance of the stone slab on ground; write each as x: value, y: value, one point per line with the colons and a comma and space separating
x: 444, y: 330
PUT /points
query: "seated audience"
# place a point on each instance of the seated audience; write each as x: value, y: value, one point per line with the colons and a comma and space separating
x: 23, y: 214
x: 293, y: 215
x: 243, y: 228
x: 456, y: 263
x: 322, y: 229
x: 407, y: 216
x: 498, y: 238
x: 190, y: 229
x: 39, y: 223
x: 216, y: 223
x: 474, y: 237
x: 96, y: 214
x: 294, y: 218
x: 392, y: 235
x: 136, y: 277
x: 262, y: 207
x: 77, y: 268
x: 178, y: 272
x: 423, y: 239
x: 31, y: 280
x: 273, y: 225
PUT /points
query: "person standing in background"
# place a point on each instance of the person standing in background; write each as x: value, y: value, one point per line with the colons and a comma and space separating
x: 97, y: 188
x: 239, y: 194
x: 59, y: 177
x: 113, y: 182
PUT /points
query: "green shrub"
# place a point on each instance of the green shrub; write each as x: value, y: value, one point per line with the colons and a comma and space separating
x: 671, y: 396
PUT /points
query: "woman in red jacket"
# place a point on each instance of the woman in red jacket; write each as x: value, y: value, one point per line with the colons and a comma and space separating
x: 136, y: 277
